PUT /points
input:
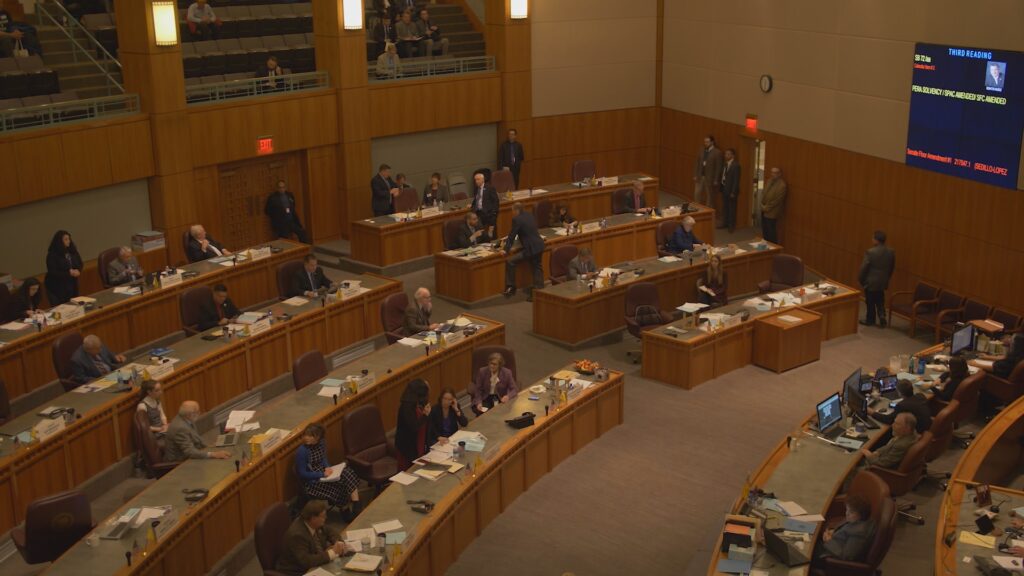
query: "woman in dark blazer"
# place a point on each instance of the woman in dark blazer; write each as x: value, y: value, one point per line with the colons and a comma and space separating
x: 494, y: 384
x: 414, y: 429
x: 446, y: 415
x: 63, y: 267
x: 434, y: 191
x: 716, y: 280
x: 26, y: 299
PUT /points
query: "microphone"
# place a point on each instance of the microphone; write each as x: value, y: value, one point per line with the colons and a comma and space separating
x: 335, y: 399
x: 238, y: 466
x: 128, y: 557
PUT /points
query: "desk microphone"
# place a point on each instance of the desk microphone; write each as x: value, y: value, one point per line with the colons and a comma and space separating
x: 335, y: 399
x: 128, y: 557
x: 238, y: 466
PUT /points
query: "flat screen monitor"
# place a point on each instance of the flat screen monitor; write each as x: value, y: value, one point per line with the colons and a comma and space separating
x: 962, y: 340
x: 856, y: 401
x: 852, y: 382
x: 829, y: 413
x: 866, y: 386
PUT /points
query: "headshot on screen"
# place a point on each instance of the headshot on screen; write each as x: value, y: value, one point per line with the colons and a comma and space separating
x: 995, y: 76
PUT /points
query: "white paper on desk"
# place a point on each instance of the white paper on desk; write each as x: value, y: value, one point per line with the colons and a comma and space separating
x: 463, y: 435
x: 388, y: 526
x: 295, y: 301
x: 809, y: 518
x: 791, y: 509
x: 823, y: 285
x: 399, y: 216
x: 147, y: 514
x: 14, y: 326
x: 328, y: 392
x: 128, y: 290
x: 318, y: 571
x: 335, y: 473
x: 691, y: 307
x: 739, y: 251
x: 583, y: 384
x: 238, y: 417
x: 403, y: 478
x: 790, y: 319
x: 607, y: 272
x: 431, y: 475
x: 560, y: 231
x: 363, y: 562
x: 361, y: 534
x: 539, y: 191
x: 669, y: 259
x: 435, y: 457
x: 676, y: 329
x: 250, y: 426
x: 447, y: 449
x: 1011, y: 563
x: 411, y: 342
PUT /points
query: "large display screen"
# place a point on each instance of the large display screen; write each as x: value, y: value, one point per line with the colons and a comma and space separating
x: 967, y: 113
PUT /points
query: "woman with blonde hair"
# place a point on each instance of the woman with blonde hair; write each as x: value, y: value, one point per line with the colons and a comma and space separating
x: 713, y: 285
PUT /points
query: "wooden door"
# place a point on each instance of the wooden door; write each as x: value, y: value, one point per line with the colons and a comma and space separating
x: 243, y: 189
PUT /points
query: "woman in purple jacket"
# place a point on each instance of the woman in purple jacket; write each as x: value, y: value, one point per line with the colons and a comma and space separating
x: 494, y: 384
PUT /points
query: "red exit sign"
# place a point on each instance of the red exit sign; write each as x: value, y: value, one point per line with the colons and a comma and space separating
x: 265, y: 145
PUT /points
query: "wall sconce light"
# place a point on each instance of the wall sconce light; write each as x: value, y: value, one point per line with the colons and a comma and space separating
x: 165, y: 23
x: 519, y: 9
x: 352, y: 11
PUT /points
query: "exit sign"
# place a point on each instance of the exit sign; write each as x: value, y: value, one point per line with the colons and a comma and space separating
x: 265, y: 145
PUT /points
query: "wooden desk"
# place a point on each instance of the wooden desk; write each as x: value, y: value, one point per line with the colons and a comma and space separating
x: 570, y: 315
x: 469, y: 278
x: 208, y: 530
x: 125, y: 322
x: 786, y: 340
x: 210, y: 372
x: 381, y: 241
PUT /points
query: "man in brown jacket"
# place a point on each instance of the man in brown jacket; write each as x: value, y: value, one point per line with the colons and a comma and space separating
x: 773, y: 200
x: 417, y: 315
x: 707, y: 177
x: 308, y: 543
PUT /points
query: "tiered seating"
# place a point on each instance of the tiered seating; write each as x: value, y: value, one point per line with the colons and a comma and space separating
x: 244, y: 55
x: 25, y: 77
x: 34, y: 117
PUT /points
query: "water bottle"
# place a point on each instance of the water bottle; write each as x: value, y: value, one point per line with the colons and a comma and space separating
x: 920, y: 365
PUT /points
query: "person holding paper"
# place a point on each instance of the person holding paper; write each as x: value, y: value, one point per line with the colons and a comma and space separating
x: 310, y: 279
x: 151, y: 404
x: 26, y: 300
x: 219, y: 311
x: 446, y: 415
x: 849, y: 541
x: 201, y: 246
x: 312, y: 467
x: 712, y: 286
x: 63, y: 267
x: 582, y: 265
x: 92, y: 360
x: 414, y: 427
x: 683, y: 238
x: 309, y: 542
x: 1002, y: 365
x: 183, y: 440
x: 494, y: 384
x: 123, y: 269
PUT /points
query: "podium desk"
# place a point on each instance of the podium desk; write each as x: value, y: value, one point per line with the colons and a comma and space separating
x: 786, y: 340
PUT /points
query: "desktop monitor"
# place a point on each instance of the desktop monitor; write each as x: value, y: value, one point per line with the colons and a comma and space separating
x: 829, y: 413
x: 852, y: 382
x: 962, y: 340
x: 856, y: 401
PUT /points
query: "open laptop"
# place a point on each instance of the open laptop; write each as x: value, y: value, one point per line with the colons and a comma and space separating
x: 830, y: 415
x: 227, y: 439
x: 887, y: 387
x: 784, y: 550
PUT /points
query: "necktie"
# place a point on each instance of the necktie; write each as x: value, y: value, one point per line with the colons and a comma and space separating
x: 480, y: 199
x: 220, y: 312
x: 311, y: 286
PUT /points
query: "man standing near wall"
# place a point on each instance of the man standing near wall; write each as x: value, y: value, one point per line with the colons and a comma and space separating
x: 773, y: 200
x: 875, y: 272
x: 510, y: 156
x: 730, y: 188
x: 706, y: 176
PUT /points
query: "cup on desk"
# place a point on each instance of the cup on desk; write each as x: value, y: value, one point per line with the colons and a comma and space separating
x: 92, y: 540
x: 859, y: 427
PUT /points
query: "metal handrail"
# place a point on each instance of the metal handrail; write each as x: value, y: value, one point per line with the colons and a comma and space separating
x: 436, y: 66
x: 28, y: 117
x: 250, y: 87
x: 69, y: 24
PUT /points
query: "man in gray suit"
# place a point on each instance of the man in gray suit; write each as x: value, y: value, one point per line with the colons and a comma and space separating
x: 875, y: 272
x: 850, y: 540
x: 123, y: 269
x: 582, y: 264
x: 706, y: 176
x: 182, y: 439
x: 904, y: 435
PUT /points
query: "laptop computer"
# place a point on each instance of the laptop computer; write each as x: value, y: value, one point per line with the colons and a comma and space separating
x: 115, y: 531
x: 887, y: 387
x: 227, y: 439
x: 830, y: 415
x: 784, y: 550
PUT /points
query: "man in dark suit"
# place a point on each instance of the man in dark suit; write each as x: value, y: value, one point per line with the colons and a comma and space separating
x: 471, y: 233
x: 524, y: 227
x: 706, y: 172
x: 875, y: 272
x: 202, y: 246
x: 916, y: 404
x: 417, y: 315
x: 995, y: 78
x: 93, y: 360
x: 582, y: 265
x: 636, y: 201
x: 309, y: 542
x: 730, y: 188
x: 311, y: 278
x: 510, y: 155
x: 219, y: 311
x: 485, y: 201
x: 284, y: 220
x: 384, y: 191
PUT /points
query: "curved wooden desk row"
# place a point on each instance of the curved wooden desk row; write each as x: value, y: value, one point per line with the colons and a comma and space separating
x: 571, y: 315
x: 381, y: 241
x: 206, y: 531
x: 470, y: 278
x: 125, y: 322
x: 210, y: 372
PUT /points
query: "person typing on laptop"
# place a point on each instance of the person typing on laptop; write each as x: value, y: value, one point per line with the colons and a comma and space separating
x: 903, y: 437
x: 849, y: 541
x: 916, y: 404
x: 183, y: 440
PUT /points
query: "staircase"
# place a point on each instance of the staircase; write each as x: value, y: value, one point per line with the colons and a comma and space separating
x: 74, y: 70
x: 463, y: 40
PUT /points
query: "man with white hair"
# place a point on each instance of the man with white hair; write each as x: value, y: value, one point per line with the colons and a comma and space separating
x: 123, y: 269
x: 182, y: 438
x: 683, y: 239
x: 417, y: 315
x: 93, y: 360
x: 904, y: 435
x: 202, y: 246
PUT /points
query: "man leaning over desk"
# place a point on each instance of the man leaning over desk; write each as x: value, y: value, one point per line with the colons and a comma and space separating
x: 182, y: 438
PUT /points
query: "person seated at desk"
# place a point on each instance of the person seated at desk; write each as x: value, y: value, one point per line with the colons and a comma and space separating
x: 220, y: 313
x: 494, y: 384
x: 202, y: 246
x: 310, y: 279
x: 311, y: 465
x: 561, y: 218
x: 683, y: 239
x: 636, y: 202
x: 63, y: 267
x: 124, y: 269
x: 414, y: 427
x: 1002, y: 365
x: 26, y: 300
x: 891, y: 455
x: 446, y: 415
x: 183, y: 440
x: 582, y: 265
x: 850, y: 540
x: 957, y: 373
x: 93, y: 360
x: 309, y: 542
x: 434, y: 191
x: 471, y: 233
x: 916, y: 404
x: 713, y: 285
x: 152, y: 405
x: 417, y: 315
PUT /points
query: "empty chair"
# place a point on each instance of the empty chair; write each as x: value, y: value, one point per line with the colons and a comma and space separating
x: 450, y: 233
x: 457, y: 185
x: 235, y: 58
x: 392, y: 316
x: 583, y: 170
x: 303, y: 58
x: 367, y: 449
x: 5, y: 403
x: 190, y: 302
x: 287, y: 21
x: 908, y: 474
x: 257, y: 52
x: 972, y: 310
x: 560, y: 258
x: 285, y: 272
x: 103, y: 261
x: 662, y: 234
x: 1010, y: 321
x: 946, y: 310
x: 53, y: 524
x: 542, y: 212
x: 237, y: 21
x: 643, y: 311
x: 620, y: 201
x: 308, y: 368
x: 408, y: 200
x: 502, y: 182
x: 481, y: 354
x: 942, y: 431
x: 921, y: 300
x: 63, y: 348
x: 875, y: 492
x: 151, y: 453
x: 268, y: 536
x: 787, y: 272
x: 1006, y: 389
x: 41, y: 80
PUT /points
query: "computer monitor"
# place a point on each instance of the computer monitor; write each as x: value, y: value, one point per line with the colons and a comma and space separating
x: 962, y: 340
x: 887, y: 384
x: 852, y: 382
x: 829, y: 413
x: 856, y: 401
x: 866, y: 386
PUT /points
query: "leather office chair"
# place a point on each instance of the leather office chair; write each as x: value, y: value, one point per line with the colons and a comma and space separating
x: 946, y: 309
x: 369, y: 454
x: 972, y: 310
x: 458, y: 187
x: 921, y: 299
x: 151, y: 453
x: 583, y: 170
x: 560, y: 258
x: 542, y: 213
x: 408, y: 200
x: 966, y: 395
x: 285, y: 272
x: 909, y: 473
x: 63, y: 348
x: 481, y: 354
x: 392, y: 316
x: 268, y: 536
x: 189, y: 303
x: 1011, y: 322
x: 619, y: 199
x: 308, y: 368
x: 185, y: 237
x: 662, y: 234
x: 503, y: 182
x: 450, y: 233
x: 942, y: 431
x: 103, y: 261
x: 5, y: 403
x: 7, y: 312
x: 876, y: 493
x: 53, y: 524
x: 787, y: 272
x: 642, y: 294
x: 1006, y: 389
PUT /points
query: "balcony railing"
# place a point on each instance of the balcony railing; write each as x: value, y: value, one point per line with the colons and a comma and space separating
x: 14, y: 119
x: 427, y: 67
x: 209, y: 92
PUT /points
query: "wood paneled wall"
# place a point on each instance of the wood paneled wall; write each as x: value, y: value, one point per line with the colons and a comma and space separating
x: 434, y: 104
x: 958, y: 234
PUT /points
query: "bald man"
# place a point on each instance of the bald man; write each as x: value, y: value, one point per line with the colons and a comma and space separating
x: 202, y: 246
x: 182, y: 438
x: 417, y: 315
x: 93, y: 360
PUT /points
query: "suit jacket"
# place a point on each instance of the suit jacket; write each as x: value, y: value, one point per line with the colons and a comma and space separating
x: 991, y: 82
x: 682, y: 240
x: 489, y: 213
x: 182, y: 441
x: 281, y: 210
x: 481, y: 387
x: 578, y: 267
x: 303, y: 550
x: 416, y: 320
x: 511, y: 156
x: 709, y: 167
x: 430, y: 197
x: 731, y: 178
x: 774, y: 199
x: 384, y: 32
x: 84, y: 370
x: 381, y: 188
x: 524, y: 227
x: 195, y: 252
x: 407, y: 432
x: 891, y: 455
x: 632, y: 201
x: 850, y: 541
x: 916, y: 405
x: 301, y: 283
x: 877, y: 267
x: 120, y: 273
x: 464, y: 239
x: 209, y: 317
x: 438, y: 420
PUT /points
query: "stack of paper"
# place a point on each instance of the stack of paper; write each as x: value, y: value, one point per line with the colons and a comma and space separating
x: 387, y: 526
x: 403, y: 478
x: 691, y: 307
x: 335, y: 474
x: 430, y: 474
x: 238, y: 417
x: 14, y: 326
x: 363, y: 563
x: 411, y: 342
x: 296, y: 301
x: 668, y: 259
x: 789, y: 319
x: 790, y: 508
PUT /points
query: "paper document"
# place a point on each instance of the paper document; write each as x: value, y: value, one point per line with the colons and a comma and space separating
x: 83, y: 300
x: 328, y: 392
x: 411, y: 342
x: 580, y: 383
x: 295, y: 301
x: 363, y: 563
x: 403, y: 478
x: 14, y: 326
x: 318, y: 572
x: 675, y: 329
x: 977, y: 539
x: 436, y: 457
x: 250, y: 426
x: 354, y: 546
x: 429, y: 474
x: 238, y: 417
x: 792, y: 509
x: 607, y: 272
x: 1011, y: 563
x: 739, y: 251
x: 669, y: 259
x: 363, y: 534
x: 809, y: 518
x: 335, y: 475
x: 332, y: 382
x: 94, y: 386
x: 790, y: 319
x: 539, y: 191
x: 389, y: 526
x: 691, y: 307
x: 455, y: 468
